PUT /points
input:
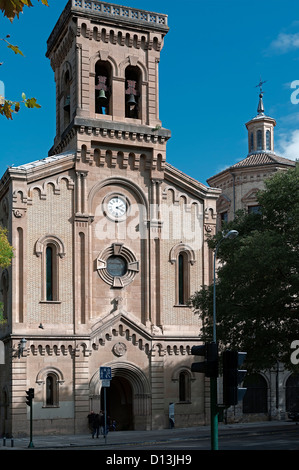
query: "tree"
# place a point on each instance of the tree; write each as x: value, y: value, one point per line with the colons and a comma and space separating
x: 258, y: 279
x: 6, y: 250
x: 6, y: 255
x: 12, y: 9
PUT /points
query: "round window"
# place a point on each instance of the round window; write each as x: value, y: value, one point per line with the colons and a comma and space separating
x: 116, y: 266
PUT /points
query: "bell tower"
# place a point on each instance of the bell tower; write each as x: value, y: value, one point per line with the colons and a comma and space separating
x: 106, y: 63
x: 261, y: 129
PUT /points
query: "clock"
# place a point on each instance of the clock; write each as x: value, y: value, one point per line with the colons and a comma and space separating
x: 117, y: 207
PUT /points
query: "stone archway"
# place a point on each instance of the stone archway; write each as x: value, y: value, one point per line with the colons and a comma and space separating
x: 119, y: 403
x: 130, y: 385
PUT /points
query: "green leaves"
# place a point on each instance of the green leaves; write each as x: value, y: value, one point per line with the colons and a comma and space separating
x: 6, y: 250
x: 258, y: 278
x: 31, y: 103
x: 15, y: 49
x: 11, y: 9
x: 8, y: 108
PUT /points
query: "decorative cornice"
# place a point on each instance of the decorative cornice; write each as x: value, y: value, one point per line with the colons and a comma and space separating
x: 109, y: 13
x: 112, y: 130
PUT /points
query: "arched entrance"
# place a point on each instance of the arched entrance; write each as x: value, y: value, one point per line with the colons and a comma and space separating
x: 119, y: 403
x: 127, y: 398
x: 292, y: 393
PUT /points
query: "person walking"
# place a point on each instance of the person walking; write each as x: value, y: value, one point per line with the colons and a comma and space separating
x: 102, y: 423
x: 91, y: 418
x: 96, y: 426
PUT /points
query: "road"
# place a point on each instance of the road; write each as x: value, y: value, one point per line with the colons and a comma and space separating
x: 275, y: 438
x: 254, y: 436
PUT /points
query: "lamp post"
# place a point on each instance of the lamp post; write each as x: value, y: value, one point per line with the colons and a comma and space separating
x: 213, y: 381
x: 22, y: 345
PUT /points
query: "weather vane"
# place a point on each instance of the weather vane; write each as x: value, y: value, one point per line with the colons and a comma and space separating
x: 261, y: 84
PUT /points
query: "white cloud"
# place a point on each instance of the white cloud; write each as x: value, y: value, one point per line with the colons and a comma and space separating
x: 285, y: 42
x: 288, y: 145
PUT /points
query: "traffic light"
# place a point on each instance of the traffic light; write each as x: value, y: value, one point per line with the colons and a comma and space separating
x: 29, y: 396
x: 232, y: 377
x: 209, y: 366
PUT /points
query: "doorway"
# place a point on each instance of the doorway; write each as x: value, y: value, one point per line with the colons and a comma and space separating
x: 119, y: 403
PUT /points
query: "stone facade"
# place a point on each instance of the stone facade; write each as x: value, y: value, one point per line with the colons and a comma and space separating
x: 109, y: 242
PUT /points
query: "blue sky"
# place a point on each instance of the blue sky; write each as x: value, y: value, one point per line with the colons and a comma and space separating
x: 213, y: 58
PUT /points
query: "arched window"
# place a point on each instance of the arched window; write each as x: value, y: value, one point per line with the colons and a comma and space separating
x: 182, y: 256
x: 268, y: 140
x: 50, y: 379
x: 184, y: 387
x: 259, y: 139
x: 49, y: 272
x: 132, y: 92
x: 255, y: 399
x: 50, y: 248
x: 183, y: 278
x: 102, y: 87
x: 50, y: 390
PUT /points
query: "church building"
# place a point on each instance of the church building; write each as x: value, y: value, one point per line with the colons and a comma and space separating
x: 241, y: 182
x: 270, y: 394
x: 109, y: 242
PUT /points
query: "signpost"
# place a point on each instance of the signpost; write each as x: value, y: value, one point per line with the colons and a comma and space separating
x: 105, y: 377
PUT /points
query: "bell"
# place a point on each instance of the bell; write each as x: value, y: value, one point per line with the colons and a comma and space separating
x: 102, y: 98
x: 131, y: 100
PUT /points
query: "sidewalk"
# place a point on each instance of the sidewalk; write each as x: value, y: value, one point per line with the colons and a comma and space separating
x: 116, y: 438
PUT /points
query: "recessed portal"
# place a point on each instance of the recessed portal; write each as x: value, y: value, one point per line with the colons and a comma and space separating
x: 119, y: 399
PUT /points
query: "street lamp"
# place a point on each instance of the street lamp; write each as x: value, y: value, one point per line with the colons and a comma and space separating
x: 21, y: 347
x: 213, y: 381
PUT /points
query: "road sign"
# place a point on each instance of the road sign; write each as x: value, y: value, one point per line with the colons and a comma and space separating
x: 105, y: 373
x: 106, y: 383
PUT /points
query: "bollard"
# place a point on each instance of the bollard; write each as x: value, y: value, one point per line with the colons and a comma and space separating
x: 4, y: 441
x: 12, y: 443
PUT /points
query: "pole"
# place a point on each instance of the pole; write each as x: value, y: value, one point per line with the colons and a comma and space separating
x: 105, y: 416
x: 213, y: 380
x: 214, y: 413
x: 31, y: 442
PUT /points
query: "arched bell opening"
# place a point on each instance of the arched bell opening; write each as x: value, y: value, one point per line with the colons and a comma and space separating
x: 66, y: 99
x: 102, y: 87
x: 133, y: 92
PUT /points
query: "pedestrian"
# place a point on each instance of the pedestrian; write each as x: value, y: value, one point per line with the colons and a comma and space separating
x: 113, y: 425
x: 96, y: 426
x: 91, y: 418
x: 102, y: 423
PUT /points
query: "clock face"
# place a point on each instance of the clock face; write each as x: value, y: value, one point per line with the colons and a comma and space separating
x: 117, y: 207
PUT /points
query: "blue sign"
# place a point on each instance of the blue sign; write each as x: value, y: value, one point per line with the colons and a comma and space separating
x: 105, y: 373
